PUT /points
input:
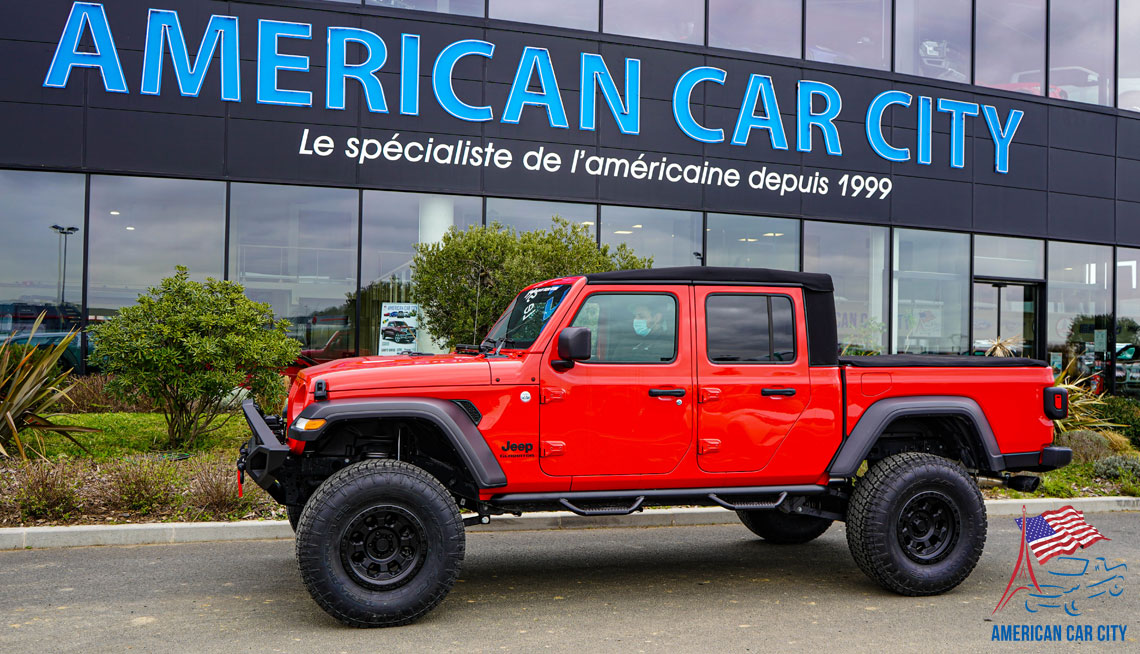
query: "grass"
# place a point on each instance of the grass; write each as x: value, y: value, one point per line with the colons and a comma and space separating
x: 129, y: 434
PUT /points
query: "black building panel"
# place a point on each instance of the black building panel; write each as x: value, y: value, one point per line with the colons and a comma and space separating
x: 320, y: 19
x: 128, y: 19
x: 267, y: 151
x: 534, y: 121
x: 140, y: 142
x: 730, y: 95
x: 660, y: 68
x: 312, y: 81
x: 939, y: 166
x: 41, y: 20
x: 41, y: 135
x: 649, y: 192
x: 170, y: 100
x: 434, y: 37
x: 1081, y: 173
x: 918, y: 202
x: 940, y: 120
x: 382, y: 173
x: 659, y: 132
x: 834, y: 205
x: 1083, y: 130
x: 1028, y: 165
x: 432, y: 117
x: 1034, y: 126
x: 759, y: 148
x: 565, y: 57
x: 1010, y: 211
x: 22, y: 76
x: 743, y: 198
x: 1128, y: 137
x: 857, y: 153
x: 1128, y: 223
x: 520, y: 181
x: 1128, y: 180
x: 1081, y: 218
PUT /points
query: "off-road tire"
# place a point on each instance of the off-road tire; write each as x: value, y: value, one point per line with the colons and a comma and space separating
x: 294, y: 515
x: 781, y: 528
x: 399, y: 498
x: 916, y: 524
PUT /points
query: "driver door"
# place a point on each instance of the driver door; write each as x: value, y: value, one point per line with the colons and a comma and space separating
x: 629, y: 408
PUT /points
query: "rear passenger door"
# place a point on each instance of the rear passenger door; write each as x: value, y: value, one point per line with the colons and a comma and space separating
x: 752, y: 374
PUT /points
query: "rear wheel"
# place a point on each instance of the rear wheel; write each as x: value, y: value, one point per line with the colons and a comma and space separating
x: 784, y: 528
x: 916, y: 524
x: 379, y: 544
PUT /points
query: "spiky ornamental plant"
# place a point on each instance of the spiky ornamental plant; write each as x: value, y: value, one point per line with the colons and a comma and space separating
x: 31, y: 385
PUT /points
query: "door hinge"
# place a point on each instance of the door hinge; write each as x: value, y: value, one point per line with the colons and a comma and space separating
x: 708, y: 394
x: 552, y: 448
x: 708, y: 445
x: 550, y: 394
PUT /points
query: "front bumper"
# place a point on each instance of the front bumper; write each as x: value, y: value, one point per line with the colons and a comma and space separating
x: 1047, y: 459
x: 264, y: 453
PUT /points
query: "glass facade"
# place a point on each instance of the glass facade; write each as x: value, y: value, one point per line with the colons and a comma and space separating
x: 1128, y: 56
x: 679, y: 21
x: 1081, y: 39
x: 559, y: 13
x: 1127, y: 321
x: 931, y: 291
x: 856, y: 258
x: 753, y: 242
x: 460, y: 7
x: 932, y: 38
x: 532, y: 215
x: 1004, y: 257
x: 1010, y: 48
x: 743, y: 25
x: 1080, y: 308
x: 672, y: 238
x: 850, y: 32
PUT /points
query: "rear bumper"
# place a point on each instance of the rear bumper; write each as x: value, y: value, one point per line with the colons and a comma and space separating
x: 1047, y: 459
x: 263, y: 454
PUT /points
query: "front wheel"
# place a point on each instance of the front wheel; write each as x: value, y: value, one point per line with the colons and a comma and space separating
x: 379, y: 544
x: 916, y: 524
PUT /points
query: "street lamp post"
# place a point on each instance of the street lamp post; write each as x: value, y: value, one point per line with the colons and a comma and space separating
x: 63, y: 232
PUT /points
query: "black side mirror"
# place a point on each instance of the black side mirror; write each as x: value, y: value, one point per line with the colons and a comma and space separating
x: 573, y: 345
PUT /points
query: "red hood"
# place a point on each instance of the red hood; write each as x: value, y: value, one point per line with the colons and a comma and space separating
x: 402, y: 372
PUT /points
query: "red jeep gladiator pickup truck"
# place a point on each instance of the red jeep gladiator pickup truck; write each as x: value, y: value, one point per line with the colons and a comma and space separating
x: 606, y: 393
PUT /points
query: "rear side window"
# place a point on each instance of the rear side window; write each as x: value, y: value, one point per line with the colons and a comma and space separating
x: 630, y: 327
x: 750, y: 328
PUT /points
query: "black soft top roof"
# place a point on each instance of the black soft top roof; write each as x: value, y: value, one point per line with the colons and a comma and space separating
x: 818, y: 282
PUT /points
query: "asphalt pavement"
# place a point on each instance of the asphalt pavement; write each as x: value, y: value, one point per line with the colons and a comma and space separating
x: 669, y: 589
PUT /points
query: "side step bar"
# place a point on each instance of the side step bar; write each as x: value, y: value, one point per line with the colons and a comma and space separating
x: 610, y: 511
x: 732, y: 498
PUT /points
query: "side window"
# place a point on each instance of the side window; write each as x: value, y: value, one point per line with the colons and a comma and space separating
x: 630, y: 327
x: 750, y: 328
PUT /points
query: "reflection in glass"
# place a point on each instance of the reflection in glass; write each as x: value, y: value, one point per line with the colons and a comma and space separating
x: 294, y: 247
x: 680, y: 21
x: 393, y: 224
x: 850, y: 32
x: 1128, y: 64
x: 1005, y: 319
x: 1000, y: 256
x: 572, y: 14
x: 931, y: 292
x: 932, y: 38
x: 1081, y: 50
x: 753, y: 242
x: 1080, y: 306
x: 36, y: 276
x: 670, y: 237
x: 142, y: 227
x: 856, y: 258
x: 764, y: 26
x: 1010, y: 50
x: 461, y: 7
x: 532, y: 215
x: 630, y: 327
x: 1128, y: 321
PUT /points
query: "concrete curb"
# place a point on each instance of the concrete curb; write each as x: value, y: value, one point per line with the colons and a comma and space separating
x: 17, y: 538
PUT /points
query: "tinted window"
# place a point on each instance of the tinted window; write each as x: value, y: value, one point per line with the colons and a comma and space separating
x: 753, y: 242
x: 1010, y: 49
x: 1080, y: 305
x: 932, y: 289
x: 764, y: 26
x: 1081, y: 47
x: 630, y: 327
x: 851, y: 32
x: 681, y: 21
x: 670, y: 237
x: 574, y: 14
x: 532, y: 215
x: 1128, y: 48
x: 932, y: 38
x: 856, y: 258
x: 999, y: 256
x: 142, y: 227
x: 462, y: 7
x: 526, y: 316
x: 749, y: 329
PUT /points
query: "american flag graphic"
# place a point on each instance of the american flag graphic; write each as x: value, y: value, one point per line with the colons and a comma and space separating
x: 1059, y: 532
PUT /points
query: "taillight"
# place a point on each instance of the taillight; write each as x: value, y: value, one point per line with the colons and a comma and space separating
x: 1056, y: 403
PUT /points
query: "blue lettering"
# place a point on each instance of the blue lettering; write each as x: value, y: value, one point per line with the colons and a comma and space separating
x: 1002, y: 136
x: 925, y: 126
x: 365, y: 72
x: 805, y: 119
x: 105, y: 57
x: 163, y: 27
x: 549, y: 97
x: 442, y: 83
x: 958, y: 111
x: 269, y: 61
x: 760, y: 90
x: 683, y: 110
x: 596, y: 74
x: 410, y: 74
x: 874, y: 125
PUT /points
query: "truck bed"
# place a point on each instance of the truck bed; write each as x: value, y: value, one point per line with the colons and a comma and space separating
x: 938, y: 361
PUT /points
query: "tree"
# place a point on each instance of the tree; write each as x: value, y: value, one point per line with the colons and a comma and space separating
x: 187, y: 345
x: 465, y: 281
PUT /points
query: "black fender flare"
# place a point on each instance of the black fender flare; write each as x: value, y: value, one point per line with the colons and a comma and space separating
x: 451, y: 420
x: 882, y: 413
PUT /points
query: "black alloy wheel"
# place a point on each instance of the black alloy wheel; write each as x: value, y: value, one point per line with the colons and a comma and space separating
x: 383, y: 547
x: 928, y: 527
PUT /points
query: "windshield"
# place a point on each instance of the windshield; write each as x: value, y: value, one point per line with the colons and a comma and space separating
x: 524, y: 319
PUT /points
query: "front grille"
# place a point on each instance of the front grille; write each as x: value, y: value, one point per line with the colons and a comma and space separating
x: 469, y: 408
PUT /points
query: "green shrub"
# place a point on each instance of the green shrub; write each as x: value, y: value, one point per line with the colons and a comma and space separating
x: 1118, y: 467
x: 1126, y: 413
x: 1087, y: 445
x: 187, y: 345
x: 143, y: 485
x: 45, y: 491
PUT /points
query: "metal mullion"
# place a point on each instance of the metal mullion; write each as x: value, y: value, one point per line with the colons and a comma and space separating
x: 226, y: 247
x: 84, y: 276
x: 970, y: 304
x: 973, y: 41
x: 1110, y: 341
x: 1045, y: 72
x: 803, y: 30
x: 359, y: 266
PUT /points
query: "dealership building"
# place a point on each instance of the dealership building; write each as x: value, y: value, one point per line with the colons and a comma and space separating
x: 966, y: 170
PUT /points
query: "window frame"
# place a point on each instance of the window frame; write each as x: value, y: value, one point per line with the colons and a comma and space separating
x: 771, y: 332
x: 676, y: 328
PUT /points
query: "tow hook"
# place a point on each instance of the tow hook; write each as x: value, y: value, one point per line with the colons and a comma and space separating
x: 480, y: 519
x: 1022, y: 483
x: 241, y: 468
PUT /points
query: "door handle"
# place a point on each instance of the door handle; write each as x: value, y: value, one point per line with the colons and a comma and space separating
x: 666, y: 392
x: 778, y: 391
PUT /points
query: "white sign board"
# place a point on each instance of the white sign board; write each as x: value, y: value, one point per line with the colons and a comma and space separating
x: 399, y: 327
